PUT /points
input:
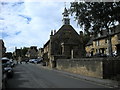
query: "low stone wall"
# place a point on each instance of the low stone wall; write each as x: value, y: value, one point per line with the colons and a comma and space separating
x: 111, y: 67
x: 94, y: 67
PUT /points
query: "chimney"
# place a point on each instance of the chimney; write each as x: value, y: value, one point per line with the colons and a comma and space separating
x: 81, y: 33
x: 81, y: 36
x: 54, y: 31
x: 15, y: 48
x: 51, y: 32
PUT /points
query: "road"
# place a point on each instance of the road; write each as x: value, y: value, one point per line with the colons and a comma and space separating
x: 35, y: 76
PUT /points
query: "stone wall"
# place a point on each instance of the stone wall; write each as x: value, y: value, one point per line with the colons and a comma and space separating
x: 94, y: 67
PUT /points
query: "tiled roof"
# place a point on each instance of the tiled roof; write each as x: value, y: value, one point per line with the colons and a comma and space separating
x: 46, y: 43
x: 90, y: 42
x: 115, y: 31
x: 66, y: 34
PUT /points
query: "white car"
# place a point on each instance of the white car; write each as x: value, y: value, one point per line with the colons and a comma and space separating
x: 35, y: 61
x: 32, y: 60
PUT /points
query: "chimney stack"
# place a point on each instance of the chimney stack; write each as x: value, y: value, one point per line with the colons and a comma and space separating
x: 51, y: 32
x: 81, y: 33
x: 54, y: 31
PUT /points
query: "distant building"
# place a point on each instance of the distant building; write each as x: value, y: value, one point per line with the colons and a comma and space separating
x: 17, y: 54
x: 99, y: 44
x: 40, y: 52
x: 32, y: 52
x: 2, y: 48
x: 64, y: 43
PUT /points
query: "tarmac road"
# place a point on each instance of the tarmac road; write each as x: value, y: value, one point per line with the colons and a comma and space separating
x: 32, y: 76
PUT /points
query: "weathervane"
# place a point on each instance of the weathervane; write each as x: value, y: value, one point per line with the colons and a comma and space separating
x: 65, y: 4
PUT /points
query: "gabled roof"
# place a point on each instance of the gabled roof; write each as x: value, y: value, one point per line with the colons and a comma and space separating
x: 67, y: 30
x: 61, y: 34
x: 46, y: 43
x: 66, y: 27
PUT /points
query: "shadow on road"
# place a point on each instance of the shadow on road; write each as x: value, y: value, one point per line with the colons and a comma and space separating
x: 18, y: 80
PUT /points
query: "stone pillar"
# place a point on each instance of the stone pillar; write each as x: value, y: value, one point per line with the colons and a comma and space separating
x: 72, y: 54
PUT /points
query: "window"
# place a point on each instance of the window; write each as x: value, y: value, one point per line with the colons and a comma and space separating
x: 97, y: 43
x: 99, y: 34
x: 105, y: 40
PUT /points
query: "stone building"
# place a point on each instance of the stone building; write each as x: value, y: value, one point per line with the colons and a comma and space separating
x: 17, y: 54
x: 64, y: 43
x: 2, y: 48
x: 99, y: 44
x: 40, y: 52
x: 32, y: 52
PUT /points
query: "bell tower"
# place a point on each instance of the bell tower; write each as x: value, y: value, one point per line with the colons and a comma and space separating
x: 66, y: 19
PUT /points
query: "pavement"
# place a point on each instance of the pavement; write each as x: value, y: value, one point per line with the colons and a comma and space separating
x: 105, y: 82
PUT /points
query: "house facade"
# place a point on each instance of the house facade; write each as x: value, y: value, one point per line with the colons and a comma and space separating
x: 64, y: 43
x: 2, y: 48
x: 99, y: 44
x: 32, y: 52
x: 17, y: 54
x: 40, y: 52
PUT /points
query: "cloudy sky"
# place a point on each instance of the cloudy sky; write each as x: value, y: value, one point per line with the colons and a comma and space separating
x: 25, y: 24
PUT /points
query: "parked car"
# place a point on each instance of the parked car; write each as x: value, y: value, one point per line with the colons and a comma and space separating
x: 3, y: 77
x: 38, y: 60
x: 100, y: 55
x: 31, y: 60
x: 9, y: 71
x: 7, y: 68
x: 12, y: 63
x: 35, y: 61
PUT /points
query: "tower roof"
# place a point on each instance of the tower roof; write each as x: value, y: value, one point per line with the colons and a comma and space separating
x: 65, y: 13
x: 66, y: 19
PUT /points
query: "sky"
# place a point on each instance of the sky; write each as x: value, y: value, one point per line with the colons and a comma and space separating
x: 26, y: 23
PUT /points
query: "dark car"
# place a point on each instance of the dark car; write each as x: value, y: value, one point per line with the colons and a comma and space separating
x: 12, y: 64
x: 4, y: 79
x: 100, y: 55
x: 7, y: 68
x: 9, y: 71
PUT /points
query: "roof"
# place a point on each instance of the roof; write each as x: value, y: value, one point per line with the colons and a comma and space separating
x: 90, y: 42
x: 66, y: 28
x: 46, y: 43
x: 67, y: 34
x: 115, y: 31
x: 105, y: 36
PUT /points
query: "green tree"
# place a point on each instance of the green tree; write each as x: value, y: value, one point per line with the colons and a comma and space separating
x: 24, y: 51
x: 96, y: 16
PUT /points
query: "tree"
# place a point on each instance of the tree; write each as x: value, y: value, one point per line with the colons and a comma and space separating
x: 24, y: 51
x: 96, y: 16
